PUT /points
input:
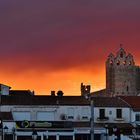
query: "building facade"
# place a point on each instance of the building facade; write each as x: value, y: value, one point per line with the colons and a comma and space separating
x: 63, y: 117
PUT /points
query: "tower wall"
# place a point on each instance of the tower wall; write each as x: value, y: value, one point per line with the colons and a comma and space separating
x: 122, y: 75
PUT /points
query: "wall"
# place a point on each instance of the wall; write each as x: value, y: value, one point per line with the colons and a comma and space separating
x: 122, y: 75
x: 78, y: 112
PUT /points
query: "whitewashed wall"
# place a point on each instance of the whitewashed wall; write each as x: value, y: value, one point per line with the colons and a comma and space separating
x: 34, y: 113
x: 111, y: 113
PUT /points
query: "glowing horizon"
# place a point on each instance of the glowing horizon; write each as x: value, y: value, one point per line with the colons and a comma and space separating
x: 56, y: 45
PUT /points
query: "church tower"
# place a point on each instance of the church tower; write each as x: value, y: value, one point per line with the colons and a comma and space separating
x: 122, y: 76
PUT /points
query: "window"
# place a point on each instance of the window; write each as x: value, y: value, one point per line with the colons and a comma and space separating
x: 70, y: 117
x: 70, y: 113
x: 102, y: 113
x: 111, y: 62
x: 118, y: 62
x: 121, y: 54
x: 23, y: 115
x: 84, y: 113
x: 119, y: 113
x: 110, y: 112
x: 124, y: 62
x: 137, y: 117
x: 127, y: 88
x: 45, y: 115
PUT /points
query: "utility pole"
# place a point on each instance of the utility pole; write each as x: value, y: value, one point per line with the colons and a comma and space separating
x: 1, y: 122
x: 85, y: 91
x: 92, y: 119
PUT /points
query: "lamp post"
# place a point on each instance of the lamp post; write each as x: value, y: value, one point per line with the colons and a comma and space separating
x: 47, y: 135
x: 106, y: 128
x: 92, y: 118
x: 1, y: 130
x: 115, y: 131
x: 134, y: 133
x: 13, y: 131
x: 85, y: 91
x: 5, y: 131
x: 34, y: 135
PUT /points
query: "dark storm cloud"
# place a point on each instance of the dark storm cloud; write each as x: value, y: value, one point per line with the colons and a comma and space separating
x: 66, y: 33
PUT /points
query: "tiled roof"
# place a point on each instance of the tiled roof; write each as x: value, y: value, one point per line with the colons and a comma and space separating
x: 64, y: 100
x: 109, y: 102
x: 21, y: 92
x: 100, y: 93
x: 44, y: 100
x: 133, y: 101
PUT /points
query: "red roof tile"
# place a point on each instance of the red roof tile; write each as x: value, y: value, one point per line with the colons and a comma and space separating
x: 133, y: 101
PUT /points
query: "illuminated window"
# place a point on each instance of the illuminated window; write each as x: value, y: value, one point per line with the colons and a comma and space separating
x: 118, y: 62
x: 124, y: 62
x: 111, y: 62
x: 129, y: 62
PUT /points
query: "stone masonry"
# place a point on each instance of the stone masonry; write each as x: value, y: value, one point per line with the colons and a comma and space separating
x: 122, y: 75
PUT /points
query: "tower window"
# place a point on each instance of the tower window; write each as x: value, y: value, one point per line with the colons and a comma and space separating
x: 129, y: 62
x: 111, y: 62
x: 124, y: 62
x: 127, y: 88
x: 121, y: 54
x: 118, y: 62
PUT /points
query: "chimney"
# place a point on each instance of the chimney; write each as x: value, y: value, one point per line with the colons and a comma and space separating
x: 52, y: 93
x: 60, y: 93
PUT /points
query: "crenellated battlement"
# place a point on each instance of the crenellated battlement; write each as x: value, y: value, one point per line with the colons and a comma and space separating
x: 120, y: 59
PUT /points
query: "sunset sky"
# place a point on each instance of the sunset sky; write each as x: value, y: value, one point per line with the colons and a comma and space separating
x: 57, y: 44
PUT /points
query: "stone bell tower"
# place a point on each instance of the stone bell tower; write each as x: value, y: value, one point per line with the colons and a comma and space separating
x: 122, y: 75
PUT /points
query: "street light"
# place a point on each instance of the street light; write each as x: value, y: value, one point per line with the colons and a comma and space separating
x: 13, y: 130
x: 106, y: 127
x: 92, y: 118
x: 34, y: 135
x: 5, y: 131
x: 115, y: 131
x: 134, y: 133
x: 85, y: 91
x: 1, y: 132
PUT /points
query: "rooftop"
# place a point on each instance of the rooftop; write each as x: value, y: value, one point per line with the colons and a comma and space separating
x: 25, y: 99
x: 133, y: 101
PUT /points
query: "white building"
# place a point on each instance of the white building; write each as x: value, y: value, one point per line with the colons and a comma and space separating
x: 63, y: 117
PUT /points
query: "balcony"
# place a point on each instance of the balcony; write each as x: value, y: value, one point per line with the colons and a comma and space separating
x: 70, y: 117
x: 84, y: 118
x: 119, y: 119
x: 102, y: 118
